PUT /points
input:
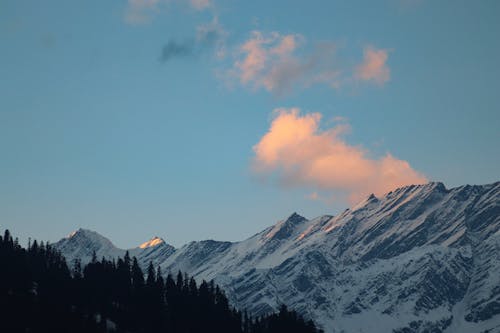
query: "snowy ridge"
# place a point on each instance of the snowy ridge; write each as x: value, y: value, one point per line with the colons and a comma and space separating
x: 422, y: 258
x: 152, y: 242
x: 82, y: 243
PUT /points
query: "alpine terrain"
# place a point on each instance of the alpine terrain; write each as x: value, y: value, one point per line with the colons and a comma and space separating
x: 422, y: 258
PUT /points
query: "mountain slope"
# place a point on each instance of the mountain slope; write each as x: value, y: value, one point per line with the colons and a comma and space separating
x: 82, y: 244
x: 422, y: 258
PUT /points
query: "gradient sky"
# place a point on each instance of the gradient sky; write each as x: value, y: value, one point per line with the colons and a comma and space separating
x: 196, y: 119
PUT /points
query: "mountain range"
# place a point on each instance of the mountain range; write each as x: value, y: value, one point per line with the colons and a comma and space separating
x: 422, y: 258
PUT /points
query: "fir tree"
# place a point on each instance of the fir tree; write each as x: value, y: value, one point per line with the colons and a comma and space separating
x: 39, y: 293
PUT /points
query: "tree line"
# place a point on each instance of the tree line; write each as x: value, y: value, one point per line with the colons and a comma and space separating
x: 39, y: 292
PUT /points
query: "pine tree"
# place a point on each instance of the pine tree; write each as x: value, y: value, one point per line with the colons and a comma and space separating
x: 151, y: 279
x: 6, y: 237
x: 137, y: 275
x: 180, y: 281
x: 77, y: 268
x: 38, y: 293
x: 159, y: 279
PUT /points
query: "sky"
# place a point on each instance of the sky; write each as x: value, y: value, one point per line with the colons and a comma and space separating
x: 213, y: 119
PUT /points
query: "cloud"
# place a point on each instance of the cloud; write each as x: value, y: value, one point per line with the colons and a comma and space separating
x: 142, y: 11
x: 280, y: 63
x: 213, y: 35
x: 300, y: 154
x: 272, y: 62
x: 313, y: 196
x: 374, y: 67
x: 174, y: 49
x: 209, y: 36
x: 200, y: 4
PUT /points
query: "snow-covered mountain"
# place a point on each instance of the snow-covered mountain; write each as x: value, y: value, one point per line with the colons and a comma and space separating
x: 420, y: 259
x: 83, y: 243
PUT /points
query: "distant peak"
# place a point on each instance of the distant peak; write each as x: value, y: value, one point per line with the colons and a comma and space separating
x: 432, y: 186
x: 295, y: 218
x: 81, y: 231
x: 155, y: 241
x: 370, y: 200
x: 86, y: 237
x: 283, y: 229
x: 437, y: 186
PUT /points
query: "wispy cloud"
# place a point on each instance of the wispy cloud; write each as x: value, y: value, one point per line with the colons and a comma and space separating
x: 300, y: 154
x: 272, y: 61
x: 175, y: 49
x: 140, y: 11
x: 209, y: 37
x: 212, y: 35
x: 374, y: 66
x: 280, y: 63
x: 200, y: 4
x: 143, y: 11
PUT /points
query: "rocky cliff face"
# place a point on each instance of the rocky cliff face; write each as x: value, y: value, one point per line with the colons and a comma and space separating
x: 420, y: 259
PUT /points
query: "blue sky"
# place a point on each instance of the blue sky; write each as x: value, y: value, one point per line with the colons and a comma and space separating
x: 140, y: 118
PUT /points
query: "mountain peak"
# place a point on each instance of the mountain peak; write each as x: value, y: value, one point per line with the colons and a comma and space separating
x: 285, y: 228
x: 295, y: 218
x: 445, y: 240
x: 155, y: 241
x: 371, y: 199
x: 80, y: 232
x: 439, y: 186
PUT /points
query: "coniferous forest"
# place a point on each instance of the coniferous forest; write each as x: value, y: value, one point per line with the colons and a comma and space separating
x: 40, y: 293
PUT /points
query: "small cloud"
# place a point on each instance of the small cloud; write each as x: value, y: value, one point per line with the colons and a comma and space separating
x: 300, y: 154
x: 326, y: 199
x: 313, y: 196
x: 174, y: 49
x: 213, y: 35
x: 340, y: 119
x: 140, y: 11
x: 209, y: 36
x: 273, y: 62
x: 143, y: 11
x: 374, y: 66
x: 281, y: 63
x: 200, y: 4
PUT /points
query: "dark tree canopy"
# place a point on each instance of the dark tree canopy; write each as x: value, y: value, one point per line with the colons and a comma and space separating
x: 40, y: 293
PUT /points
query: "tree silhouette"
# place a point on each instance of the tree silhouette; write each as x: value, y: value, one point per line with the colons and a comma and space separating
x: 39, y: 293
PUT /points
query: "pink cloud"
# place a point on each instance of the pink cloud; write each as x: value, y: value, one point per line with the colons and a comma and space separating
x: 313, y: 196
x: 374, y: 66
x: 200, y: 4
x: 270, y: 61
x: 142, y: 11
x: 301, y: 154
x: 212, y: 34
x: 287, y: 44
x: 256, y: 57
x: 139, y: 11
x: 279, y: 63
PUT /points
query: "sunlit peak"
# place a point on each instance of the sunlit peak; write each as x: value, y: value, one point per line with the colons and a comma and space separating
x: 152, y: 242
